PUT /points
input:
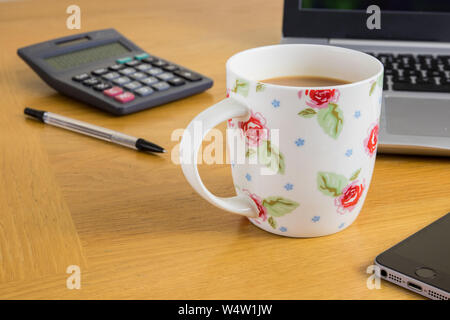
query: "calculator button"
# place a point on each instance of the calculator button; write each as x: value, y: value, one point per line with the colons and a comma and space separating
x: 170, y: 67
x: 127, y: 71
x: 149, y: 81
x: 138, y: 75
x: 124, y: 97
x: 121, y: 81
x: 116, y: 67
x: 110, y: 75
x: 101, y: 86
x: 124, y: 59
x: 141, y: 56
x: 176, y: 81
x: 132, y: 63
x: 114, y: 91
x: 81, y: 77
x: 90, y: 82
x: 144, y: 67
x: 144, y: 91
x: 165, y: 76
x: 132, y: 85
x: 188, y: 75
x: 99, y: 72
x: 161, y: 86
x: 149, y: 59
x: 159, y: 63
x: 154, y: 71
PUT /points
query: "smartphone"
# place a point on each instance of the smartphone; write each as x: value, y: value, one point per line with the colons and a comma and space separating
x: 421, y: 263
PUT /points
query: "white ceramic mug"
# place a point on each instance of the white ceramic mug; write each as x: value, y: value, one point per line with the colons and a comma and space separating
x: 320, y: 142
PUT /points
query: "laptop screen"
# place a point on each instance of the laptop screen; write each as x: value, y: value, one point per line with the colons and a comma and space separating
x: 407, y: 20
x: 390, y: 5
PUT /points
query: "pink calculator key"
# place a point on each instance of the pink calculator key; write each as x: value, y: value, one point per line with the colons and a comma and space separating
x: 124, y: 97
x: 112, y: 92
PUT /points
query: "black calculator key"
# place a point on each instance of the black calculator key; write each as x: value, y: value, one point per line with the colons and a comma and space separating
x: 111, y: 75
x: 155, y: 71
x: 170, y: 67
x: 188, y: 75
x: 121, y: 81
x: 116, y: 67
x: 176, y: 81
x: 81, y: 77
x: 148, y: 60
x: 127, y: 71
x: 165, y: 76
x: 159, y: 63
x: 99, y: 72
x: 161, y: 86
x: 144, y: 67
x: 132, y: 85
x: 90, y: 82
x: 132, y: 63
x: 149, y: 81
x: 101, y: 86
x: 144, y: 91
x: 138, y: 75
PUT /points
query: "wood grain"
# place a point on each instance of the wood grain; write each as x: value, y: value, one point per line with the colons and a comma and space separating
x: 130, y: 220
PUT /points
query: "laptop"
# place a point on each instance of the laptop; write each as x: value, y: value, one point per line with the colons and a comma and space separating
x: 412, y: 41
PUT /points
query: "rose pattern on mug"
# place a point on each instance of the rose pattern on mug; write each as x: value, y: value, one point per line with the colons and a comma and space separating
x: 371, y: 142
x: 346, y: 192
x: 257, y: 139
x: 273, y: 206
x: 323, y: 104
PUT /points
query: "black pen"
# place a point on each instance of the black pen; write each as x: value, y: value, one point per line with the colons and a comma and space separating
x: 94, y: 131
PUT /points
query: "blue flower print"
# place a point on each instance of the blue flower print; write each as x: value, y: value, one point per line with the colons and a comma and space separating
x: 288, y: 186
x: 299, y: 142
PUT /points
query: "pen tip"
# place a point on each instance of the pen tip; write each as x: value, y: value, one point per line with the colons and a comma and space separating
x: 164, y: 150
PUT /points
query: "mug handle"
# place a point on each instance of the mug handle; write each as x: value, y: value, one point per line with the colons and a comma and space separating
x: 190, y: 144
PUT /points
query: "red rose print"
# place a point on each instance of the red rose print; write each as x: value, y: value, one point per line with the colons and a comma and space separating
x: 370, y: 143
x: 262, y: 211
x: 254, y: 129
x: 228, y: 93
x: 321, y: 98
x: 230, y: 123
x: 349, y: 197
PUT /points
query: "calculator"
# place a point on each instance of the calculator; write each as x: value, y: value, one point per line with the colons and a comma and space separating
x: 106, y: 70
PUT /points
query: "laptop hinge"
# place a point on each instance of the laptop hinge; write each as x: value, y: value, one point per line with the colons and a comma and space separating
x: 389, y: 43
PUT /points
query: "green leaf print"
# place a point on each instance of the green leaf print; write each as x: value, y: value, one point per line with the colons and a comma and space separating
x: 307, y: 113
x: 355, y: 174
x: 260, y: 87
x: 250, y: 152
x: 372, y: 88
x: 272, y: 222
x: 241, y: 87
x: 279, y: 206
x: 331, y: 120
x: 331, y: 184
x: 271, y: 157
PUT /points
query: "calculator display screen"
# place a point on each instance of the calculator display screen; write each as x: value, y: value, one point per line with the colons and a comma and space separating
x: 84, y: 56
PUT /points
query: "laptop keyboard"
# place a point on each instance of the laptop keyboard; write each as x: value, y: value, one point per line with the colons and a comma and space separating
x: 422, y: 72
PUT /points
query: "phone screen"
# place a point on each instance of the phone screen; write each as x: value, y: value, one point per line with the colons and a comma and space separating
x: 430, y: 246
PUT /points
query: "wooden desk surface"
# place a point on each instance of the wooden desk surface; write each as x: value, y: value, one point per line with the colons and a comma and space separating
x: 131, y: 221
